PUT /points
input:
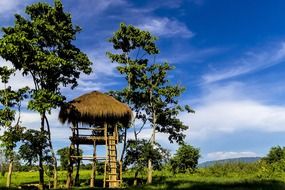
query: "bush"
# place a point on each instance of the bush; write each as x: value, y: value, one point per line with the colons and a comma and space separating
x: 185, y: 160
x: 231, y: 169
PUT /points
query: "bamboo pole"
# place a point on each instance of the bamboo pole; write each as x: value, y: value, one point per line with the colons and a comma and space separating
x: 93, y: 174
x: 106, y: 143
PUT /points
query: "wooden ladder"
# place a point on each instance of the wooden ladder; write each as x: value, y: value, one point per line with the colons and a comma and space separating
x: 111, y: 175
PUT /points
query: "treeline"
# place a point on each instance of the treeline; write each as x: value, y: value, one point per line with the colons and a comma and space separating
x: 270, y: 166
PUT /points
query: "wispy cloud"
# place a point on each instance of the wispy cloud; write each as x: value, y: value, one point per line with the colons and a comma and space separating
x: 249, y: 63
x: 182, y: 54
x: 88, y: 8
x: 166, y: 27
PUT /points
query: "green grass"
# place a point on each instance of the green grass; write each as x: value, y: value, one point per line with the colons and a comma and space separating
x: 165, y: 180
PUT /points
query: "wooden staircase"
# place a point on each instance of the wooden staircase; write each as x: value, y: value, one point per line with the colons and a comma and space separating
x: 111, y: 175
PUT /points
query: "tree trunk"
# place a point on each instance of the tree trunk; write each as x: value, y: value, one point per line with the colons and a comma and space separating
x: 53, y: 156
x: 55, y: 175
x: 9, y: 175
x: 125, y: 145
x: 69, y: 180
x: 41, y: 172
x: 41, y: 168
x: 152, y: 141
x: 149, y: 172
x: 136, y: 178
x: 77, y: 182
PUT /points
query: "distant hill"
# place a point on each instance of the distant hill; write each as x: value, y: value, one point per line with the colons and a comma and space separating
x: 242, y: 159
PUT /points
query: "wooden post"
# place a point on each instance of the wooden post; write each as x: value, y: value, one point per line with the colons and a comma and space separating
x: 77, y: 182
x: 93, y: 174
x: 106, y: 144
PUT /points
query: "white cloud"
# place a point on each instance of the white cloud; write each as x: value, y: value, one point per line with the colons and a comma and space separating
x: 102, y: 66
x: 8, y: 6
x: 16, y: 81
x: 248, y: 63
x: 227, y: 155
x: 227, y: 109
x: 166, y: 27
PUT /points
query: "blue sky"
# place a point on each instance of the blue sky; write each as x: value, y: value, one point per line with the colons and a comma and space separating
x: 229, y: 54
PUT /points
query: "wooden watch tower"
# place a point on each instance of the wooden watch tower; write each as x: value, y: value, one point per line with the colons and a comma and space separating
x: 94, y: 119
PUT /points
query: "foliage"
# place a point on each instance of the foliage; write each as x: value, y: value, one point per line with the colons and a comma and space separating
x: 273, y: 164
x: 64, y: 157
x: 99, y: 167
x: 34, y: 144
x: 10, y: 102
x: 149, y: 92
x: 231, y: 169
x: 139, y: 152
x: 41, y: 46
x: 185, y: 159
x: 275, y: 154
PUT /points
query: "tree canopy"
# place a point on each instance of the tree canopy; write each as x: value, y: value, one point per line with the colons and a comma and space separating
x: 185, y: 159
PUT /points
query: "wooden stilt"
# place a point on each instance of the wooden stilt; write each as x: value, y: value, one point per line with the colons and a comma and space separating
x: 77, y: 182
x: 106, y: 144
x: 93, y: 174
x: 105, y: 135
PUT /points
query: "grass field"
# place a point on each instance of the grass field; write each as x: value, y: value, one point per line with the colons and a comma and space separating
x: 165, y: 181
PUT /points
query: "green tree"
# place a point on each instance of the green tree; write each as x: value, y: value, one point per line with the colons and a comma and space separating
x: 40, y: 45
x: 10, y: 101
x: 34, y: 146
x: 64, y: 157
x: 185, y: 159
x: 275, y: 154
x: 149, y: 93
x: 138, y: 153
x: 132, y: 42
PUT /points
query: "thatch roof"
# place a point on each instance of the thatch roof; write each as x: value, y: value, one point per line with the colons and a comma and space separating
x: 95, y: 108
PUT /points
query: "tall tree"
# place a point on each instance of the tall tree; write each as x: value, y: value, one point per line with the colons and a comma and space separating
x: 149, y: 92
x: 40, y: 45
x: 10, y: 101
x: 135, y: 44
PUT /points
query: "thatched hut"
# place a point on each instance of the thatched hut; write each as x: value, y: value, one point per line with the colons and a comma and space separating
x: 95, y: 108
x: 100, y: 114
